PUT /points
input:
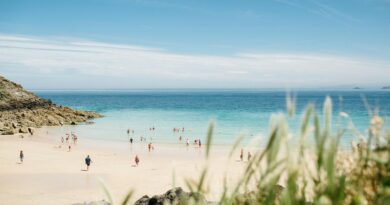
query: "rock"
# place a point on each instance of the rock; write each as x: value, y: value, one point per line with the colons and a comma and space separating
x: 9, y: 131
x: 31, y: 130
x: 175, y: 196
x: 20, y: 108
x: 23, y: 130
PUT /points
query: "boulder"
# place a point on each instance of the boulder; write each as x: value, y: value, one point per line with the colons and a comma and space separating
x: 31, y: 130
x: 8, y: 131
x: 175, y: 196
x: 23, y: 130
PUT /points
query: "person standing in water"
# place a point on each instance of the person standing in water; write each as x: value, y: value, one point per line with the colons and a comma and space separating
x: 21, y: 156
x: 249, y: 156
x: 136, y: 160
x: 88, y: 162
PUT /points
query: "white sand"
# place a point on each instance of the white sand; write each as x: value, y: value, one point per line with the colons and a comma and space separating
x: 52, y: 175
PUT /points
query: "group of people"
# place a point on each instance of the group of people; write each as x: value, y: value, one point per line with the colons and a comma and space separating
x: 197, y: 142
x: 242, y: 155
x: 67, y: 140
x: 178, y: 129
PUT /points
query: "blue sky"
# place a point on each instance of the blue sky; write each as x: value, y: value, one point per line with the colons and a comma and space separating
x: 178, y: 40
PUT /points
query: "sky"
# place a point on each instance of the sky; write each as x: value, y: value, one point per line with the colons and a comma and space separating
x: 148, y: 44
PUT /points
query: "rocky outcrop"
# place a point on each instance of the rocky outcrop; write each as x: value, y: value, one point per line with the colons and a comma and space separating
x: 21, y: 111
x: 175, y: 196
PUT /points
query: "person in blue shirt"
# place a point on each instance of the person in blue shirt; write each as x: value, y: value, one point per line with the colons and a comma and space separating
x: 88, y: 162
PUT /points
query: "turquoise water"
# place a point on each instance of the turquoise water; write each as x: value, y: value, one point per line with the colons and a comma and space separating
x: 234, y: 111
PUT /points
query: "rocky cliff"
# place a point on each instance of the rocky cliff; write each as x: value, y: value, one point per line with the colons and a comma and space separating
x: 21, y: 111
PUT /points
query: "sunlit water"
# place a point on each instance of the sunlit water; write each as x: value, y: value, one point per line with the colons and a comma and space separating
x: 234, y: 112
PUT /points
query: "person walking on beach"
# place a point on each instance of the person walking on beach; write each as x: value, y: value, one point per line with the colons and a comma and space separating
x: 69, y: 148
x: 88, y: 162
x: 21, y: 156
x: 150, y: 146
x: 242, y: 155
x: 136, y: 160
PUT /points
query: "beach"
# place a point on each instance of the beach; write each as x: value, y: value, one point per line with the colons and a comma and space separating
x: 53, y: 175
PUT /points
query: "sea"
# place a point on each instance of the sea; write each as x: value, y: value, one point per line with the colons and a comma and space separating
x: 234, y: 113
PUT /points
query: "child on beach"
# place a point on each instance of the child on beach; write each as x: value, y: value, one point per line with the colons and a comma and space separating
x: 136, y: 160
x: 21, y: 156
x: 88, y: 162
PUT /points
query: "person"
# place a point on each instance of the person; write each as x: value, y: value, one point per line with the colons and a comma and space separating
x: 180, y: 138
x: 242, y: 155
x: 200, y: 143
x: 136, y: 160
x: 128, y: 131
x: 150, y: 146
x: 67, y: 138
x: 21, y: 156
x: 62, y: 140
x: 188, y: 142
x: 131, y: 140
x: 69, y: 147
x: 249, y: 156
x: 88, y: 162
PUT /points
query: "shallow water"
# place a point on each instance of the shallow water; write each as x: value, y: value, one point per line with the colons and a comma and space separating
x: 234, y: 111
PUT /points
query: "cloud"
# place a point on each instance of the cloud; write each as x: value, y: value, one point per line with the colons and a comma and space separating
x: 51, y: 63
x: 320, y: 9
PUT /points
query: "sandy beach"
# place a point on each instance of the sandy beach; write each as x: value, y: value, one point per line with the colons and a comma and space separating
x: 52, y: 175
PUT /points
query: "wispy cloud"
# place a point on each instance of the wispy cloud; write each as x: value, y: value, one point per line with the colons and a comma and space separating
x: 90, y: 63
x: 321, y: 9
